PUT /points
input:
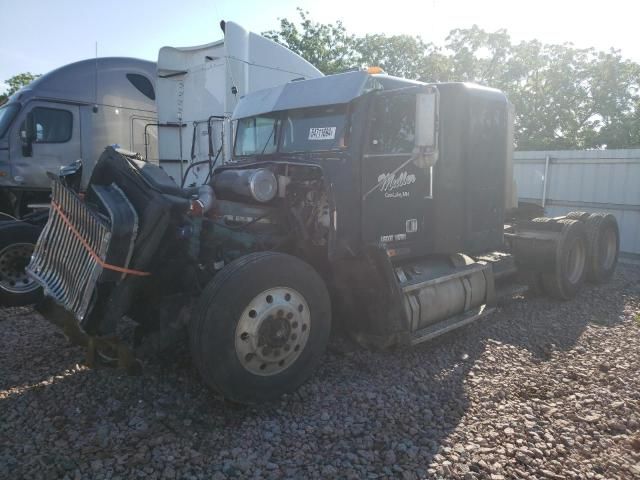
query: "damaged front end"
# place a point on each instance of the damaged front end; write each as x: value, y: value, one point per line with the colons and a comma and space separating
x: 100, y: 257
x: 136, y: 246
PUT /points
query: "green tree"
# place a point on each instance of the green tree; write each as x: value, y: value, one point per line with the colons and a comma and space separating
x: 564, y: 97
x: 15, y: 83
x: 403, y: 56
x: 327, y: 46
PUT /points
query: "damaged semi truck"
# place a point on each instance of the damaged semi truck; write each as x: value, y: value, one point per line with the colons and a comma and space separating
x: 383, y: 204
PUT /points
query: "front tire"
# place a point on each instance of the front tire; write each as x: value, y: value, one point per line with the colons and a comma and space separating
x: 260, y: 327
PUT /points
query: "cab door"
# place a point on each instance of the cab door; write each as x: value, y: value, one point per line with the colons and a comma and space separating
x: 396, y: 179
x: 47, y: 137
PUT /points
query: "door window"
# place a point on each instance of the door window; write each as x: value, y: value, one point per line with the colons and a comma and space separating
x: 393, y: 125
x: 52, y: 125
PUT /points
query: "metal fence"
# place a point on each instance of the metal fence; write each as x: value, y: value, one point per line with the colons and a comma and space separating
x: 594, y: 181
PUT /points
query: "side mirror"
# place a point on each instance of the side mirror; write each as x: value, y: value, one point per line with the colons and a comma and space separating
x: 426, y: 137
x: 27, y: 135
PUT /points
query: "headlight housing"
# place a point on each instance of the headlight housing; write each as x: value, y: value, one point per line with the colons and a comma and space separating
x: 263, y: 185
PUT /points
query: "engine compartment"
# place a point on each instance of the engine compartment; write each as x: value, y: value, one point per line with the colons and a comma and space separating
x: 296, y: 219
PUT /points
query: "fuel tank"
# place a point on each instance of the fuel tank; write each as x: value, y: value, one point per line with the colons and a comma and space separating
x: 437, y: 289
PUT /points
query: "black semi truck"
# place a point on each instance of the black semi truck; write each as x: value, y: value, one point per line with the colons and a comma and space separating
x: 384, y: 204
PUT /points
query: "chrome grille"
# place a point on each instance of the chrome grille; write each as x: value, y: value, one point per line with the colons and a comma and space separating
x: 61, y: 262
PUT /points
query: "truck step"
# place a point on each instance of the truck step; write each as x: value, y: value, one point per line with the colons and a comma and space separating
x: 440, y: 328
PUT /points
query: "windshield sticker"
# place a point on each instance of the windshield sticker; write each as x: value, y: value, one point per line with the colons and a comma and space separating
x: 323, y: 133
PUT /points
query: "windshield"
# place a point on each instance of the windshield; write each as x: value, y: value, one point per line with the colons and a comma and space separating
x: 7, y: 112
x: 308, y: 130
x: 257, y: 135
x: 313, y: 130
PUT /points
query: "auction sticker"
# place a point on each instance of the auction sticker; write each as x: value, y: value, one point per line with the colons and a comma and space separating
x: 322, y: 133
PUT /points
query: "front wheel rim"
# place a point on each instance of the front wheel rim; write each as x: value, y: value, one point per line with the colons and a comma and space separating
x: 272, y: 331
x: 13, y: 277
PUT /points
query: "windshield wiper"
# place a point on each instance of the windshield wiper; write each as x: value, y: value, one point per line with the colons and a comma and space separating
x: 273, y: 130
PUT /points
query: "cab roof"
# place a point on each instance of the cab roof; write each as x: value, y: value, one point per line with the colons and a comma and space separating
x: 97, y: 80
x: 330, y: 90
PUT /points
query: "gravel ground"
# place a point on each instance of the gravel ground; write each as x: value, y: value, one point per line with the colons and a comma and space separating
x: 539, y: 390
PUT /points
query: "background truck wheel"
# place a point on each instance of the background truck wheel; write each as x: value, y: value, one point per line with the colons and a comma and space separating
x: 603, y: 246
x: 260, y: 327
x: 17, y: 240
x: 570, y: 269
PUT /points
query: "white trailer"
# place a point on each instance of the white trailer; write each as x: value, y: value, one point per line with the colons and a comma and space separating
x: 198, y: 88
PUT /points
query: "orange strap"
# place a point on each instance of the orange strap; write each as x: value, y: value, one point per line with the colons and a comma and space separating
x: 88, y: 248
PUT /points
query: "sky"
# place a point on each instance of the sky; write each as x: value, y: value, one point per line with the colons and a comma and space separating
x: 39, y: 35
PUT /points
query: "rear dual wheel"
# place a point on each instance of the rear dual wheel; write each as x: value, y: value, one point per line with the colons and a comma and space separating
x: 603, y: 244
x: 566, y: 278
x: 588, y: 249
x: 261, y: 327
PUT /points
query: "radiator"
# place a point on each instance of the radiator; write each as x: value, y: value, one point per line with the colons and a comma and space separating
x: 77, y: 248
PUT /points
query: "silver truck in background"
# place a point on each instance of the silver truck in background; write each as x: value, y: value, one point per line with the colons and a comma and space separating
x: 72, y: 113
x: 68, y: 114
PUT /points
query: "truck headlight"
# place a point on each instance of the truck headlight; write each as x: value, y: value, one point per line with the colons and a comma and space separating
x: 263, y: 185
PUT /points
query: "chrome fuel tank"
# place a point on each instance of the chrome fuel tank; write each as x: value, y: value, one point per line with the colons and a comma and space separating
x: 438, y: 289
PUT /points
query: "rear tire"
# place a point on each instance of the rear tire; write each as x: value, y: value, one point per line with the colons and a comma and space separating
x: 569, y: 273
x: 582, y: 216
x: 603, y: 243
x: 260, y: 327
x: 17, y: 240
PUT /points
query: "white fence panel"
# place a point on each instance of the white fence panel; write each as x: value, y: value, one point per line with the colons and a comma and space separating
x: 594, y: 181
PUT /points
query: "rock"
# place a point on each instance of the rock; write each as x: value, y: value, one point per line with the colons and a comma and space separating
x: 329, y: 471
x: 389, y: 457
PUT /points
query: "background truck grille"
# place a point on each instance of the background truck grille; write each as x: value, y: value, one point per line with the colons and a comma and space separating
x: 62, y: 263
